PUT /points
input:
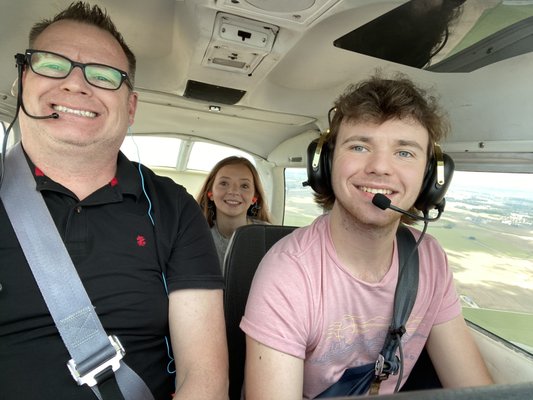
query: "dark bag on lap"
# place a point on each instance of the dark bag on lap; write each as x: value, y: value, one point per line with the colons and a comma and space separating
x: 354, y: 382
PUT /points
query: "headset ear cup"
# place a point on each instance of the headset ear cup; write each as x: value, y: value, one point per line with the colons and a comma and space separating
x: 319, y: 166
x: 325, y: 164
x: 432, y: 193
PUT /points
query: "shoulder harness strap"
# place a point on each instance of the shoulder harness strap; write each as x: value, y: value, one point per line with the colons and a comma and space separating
x: 96, y: 357
x: 404, y: 299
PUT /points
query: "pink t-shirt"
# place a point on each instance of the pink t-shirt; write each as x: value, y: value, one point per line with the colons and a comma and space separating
x: 303, y: 302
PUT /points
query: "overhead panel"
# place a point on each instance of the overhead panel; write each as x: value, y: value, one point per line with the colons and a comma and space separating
x: 239, y: 44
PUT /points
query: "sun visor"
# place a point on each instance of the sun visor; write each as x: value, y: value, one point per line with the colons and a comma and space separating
x: 212, y: 93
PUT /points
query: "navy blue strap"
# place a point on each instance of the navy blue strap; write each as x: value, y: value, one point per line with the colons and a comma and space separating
x: 404, y: 297
x: 354, y: 382
x: 407, y: 286
x: 358, y: 380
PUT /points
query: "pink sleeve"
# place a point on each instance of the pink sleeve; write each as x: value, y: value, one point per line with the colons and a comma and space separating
x: 435, y: 271
x: 451, y: 305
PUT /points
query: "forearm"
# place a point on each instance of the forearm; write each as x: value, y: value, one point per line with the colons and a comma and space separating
x: 456, y: 357
x: 199, y: 344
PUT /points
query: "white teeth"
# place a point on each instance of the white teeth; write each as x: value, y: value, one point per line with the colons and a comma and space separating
x: 81, y: 113
x: 375, y: 191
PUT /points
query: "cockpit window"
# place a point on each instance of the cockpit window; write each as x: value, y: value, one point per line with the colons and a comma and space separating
x: 156, y: 151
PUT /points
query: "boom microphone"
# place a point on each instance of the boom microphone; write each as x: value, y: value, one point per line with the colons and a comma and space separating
x: 20, y: 62
x: 383, y: 202
x: 53, y: 115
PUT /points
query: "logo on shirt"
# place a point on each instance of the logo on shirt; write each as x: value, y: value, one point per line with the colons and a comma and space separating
x: 141, y: 241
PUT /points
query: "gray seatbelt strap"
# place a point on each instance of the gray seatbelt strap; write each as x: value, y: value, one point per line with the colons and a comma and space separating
x: 93, y: 352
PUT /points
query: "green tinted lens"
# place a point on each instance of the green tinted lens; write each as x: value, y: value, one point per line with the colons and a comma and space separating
x: 102, y: 76
x: 50, y: 65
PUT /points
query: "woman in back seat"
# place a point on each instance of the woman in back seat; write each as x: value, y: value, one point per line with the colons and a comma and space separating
x: 232, y: 196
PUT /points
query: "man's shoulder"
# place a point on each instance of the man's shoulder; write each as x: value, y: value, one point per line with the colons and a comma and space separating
x: 170, y: 200
x: 163, y: 187
x: 161, y: 181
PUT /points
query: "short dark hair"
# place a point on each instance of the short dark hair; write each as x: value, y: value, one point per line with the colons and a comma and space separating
x: 92, y: 15
x: 377, y: 100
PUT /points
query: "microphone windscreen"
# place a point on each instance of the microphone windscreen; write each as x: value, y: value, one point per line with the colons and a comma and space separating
x: 381, y: 201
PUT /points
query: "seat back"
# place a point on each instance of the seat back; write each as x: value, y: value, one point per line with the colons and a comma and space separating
x: 246, y: 249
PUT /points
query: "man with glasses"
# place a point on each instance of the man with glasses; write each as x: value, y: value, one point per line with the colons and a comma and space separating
x: 53, y: 65
x: 139, y: 242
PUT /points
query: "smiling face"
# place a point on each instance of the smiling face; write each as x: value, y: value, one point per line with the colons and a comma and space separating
x: 233, y: 191
x: 389, y: 158
x: 88, y: 116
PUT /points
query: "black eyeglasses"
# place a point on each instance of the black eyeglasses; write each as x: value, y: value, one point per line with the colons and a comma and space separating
x: 56, y: 66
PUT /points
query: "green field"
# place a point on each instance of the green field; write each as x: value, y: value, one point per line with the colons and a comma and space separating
x: 492, y: 262
x: 514, y: 327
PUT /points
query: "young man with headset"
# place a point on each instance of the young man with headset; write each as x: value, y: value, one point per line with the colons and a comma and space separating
x: 322, y: 299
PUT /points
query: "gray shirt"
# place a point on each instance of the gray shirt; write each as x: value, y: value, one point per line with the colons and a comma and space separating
x: 222, y: 242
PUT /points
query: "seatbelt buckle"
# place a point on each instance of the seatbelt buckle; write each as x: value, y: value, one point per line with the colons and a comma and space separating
x: 89, y: 378
x: 379, y: 375
x: 379, y: 367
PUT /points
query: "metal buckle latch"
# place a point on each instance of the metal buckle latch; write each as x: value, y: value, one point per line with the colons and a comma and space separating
x: 89, y: 378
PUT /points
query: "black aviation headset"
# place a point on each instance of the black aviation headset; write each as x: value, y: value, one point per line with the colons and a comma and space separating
x: 439, y: 172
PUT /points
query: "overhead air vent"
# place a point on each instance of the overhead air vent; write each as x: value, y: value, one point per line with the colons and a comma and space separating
x: 212, y: 93
x: 239, y: 44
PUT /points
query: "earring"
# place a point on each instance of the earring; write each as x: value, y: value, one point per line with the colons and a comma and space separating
x: 254, y: 210
x: 211, y: 209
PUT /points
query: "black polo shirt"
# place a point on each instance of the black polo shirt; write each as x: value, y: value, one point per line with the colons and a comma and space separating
x: 120, y: 257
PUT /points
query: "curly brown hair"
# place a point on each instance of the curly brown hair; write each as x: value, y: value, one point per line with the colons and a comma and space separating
x: 377, y: 100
